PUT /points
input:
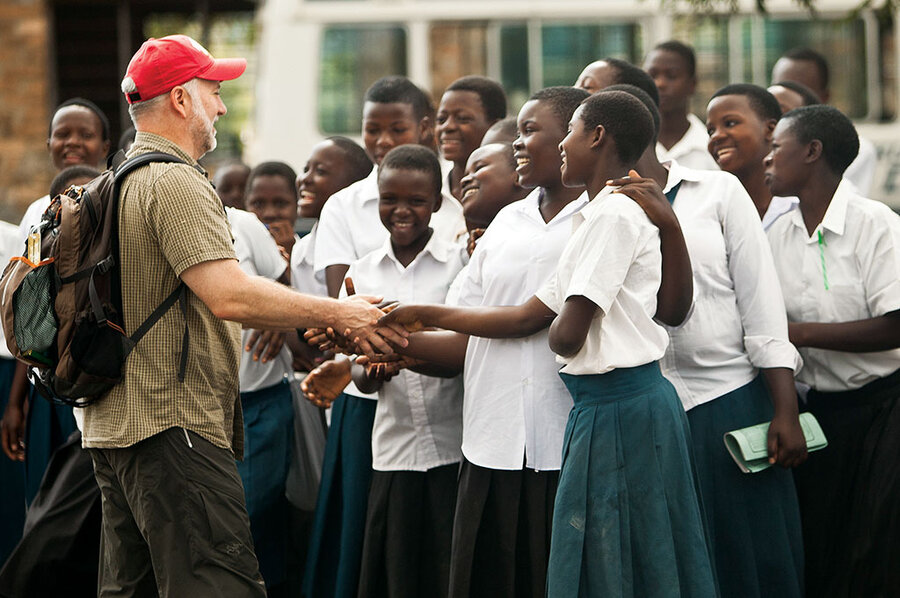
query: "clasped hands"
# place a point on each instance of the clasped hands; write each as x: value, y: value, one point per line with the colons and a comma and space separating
x: 376, y: 345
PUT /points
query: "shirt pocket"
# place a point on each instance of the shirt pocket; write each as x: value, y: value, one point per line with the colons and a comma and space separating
x: 847, y: 303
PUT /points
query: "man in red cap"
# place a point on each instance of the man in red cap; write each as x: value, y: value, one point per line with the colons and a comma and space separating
x: 165, y: 439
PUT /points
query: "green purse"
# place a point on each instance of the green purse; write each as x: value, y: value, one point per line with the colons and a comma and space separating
x: 747, y: 446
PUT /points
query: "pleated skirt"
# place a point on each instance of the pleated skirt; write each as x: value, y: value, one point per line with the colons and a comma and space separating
x: 406, y: 551
x: 754, y: 519
x: 627, y: 521
x: 336, y: 539
x: 850, y: 493
x: 268, y: 433
x: 501, y: 532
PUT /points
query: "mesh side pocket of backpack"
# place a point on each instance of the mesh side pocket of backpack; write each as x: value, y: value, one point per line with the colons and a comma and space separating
x: 35, y: 325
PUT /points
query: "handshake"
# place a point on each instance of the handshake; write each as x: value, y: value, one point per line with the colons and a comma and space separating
x: 375, y: 344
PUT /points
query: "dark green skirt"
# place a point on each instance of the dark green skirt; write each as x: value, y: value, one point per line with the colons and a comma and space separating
x: 754, y: 519
x: 627, y: 520
x: 336, y: 540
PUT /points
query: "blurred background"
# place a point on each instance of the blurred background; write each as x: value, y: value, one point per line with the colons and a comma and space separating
x: 310, y: 61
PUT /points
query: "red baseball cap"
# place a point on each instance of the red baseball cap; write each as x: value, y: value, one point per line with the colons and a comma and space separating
x: 161, y: 64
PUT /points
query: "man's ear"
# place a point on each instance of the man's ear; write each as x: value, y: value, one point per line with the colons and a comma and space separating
x: 180, y: 99
x: 437, y: 204
x: 598, y: 136
x: 813, y: 151
x: 770, y: 128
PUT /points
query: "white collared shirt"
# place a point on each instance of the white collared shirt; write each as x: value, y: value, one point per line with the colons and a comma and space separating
x: 350, y: 227
x: 861, y: 171
x: 515, y: 403
x: 303, y: 275
x: 778, y: 207
x: 10, y: 245
x: 858, y: 253
x: 690, y: 150
x: 258, y: 255
x: 737, y: 323
x: 418, y: 419
x: 614, y: 260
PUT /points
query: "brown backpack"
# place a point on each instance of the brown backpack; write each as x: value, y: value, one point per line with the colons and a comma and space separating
x: 61, y: 302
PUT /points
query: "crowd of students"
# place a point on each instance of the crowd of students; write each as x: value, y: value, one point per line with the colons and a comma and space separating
x: 596, y: 290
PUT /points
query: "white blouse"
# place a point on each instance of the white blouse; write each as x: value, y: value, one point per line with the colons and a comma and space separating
x: 614, y: 260
x: 258, y: 255
x: 515, y: 405
x: 737, y: 323
x: 691, y: 150
x: 848, y: 269
x: 418, y: 419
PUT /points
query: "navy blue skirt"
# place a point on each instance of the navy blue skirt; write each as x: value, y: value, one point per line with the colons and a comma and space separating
x: 627, y: 520
x: 336, y: 540
x: 754, y: 519
x: 268, y: 433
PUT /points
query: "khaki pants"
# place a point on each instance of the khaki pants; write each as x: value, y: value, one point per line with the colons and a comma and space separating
x: 174, y: 520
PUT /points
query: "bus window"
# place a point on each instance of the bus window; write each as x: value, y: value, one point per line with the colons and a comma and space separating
x: 457, y: 49
x: 709, y: 38
x: 514, y: 72
x: 567, y: 49
x: 842, y: 43
x: 352, y: 58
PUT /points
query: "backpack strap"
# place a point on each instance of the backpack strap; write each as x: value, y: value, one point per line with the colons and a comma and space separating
x: 122, y: 169
x: 180, y: 295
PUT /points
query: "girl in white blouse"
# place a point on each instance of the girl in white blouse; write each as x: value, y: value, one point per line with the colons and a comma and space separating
x: 731, y: 364
x: 626, y: 520
x: 838, y: 260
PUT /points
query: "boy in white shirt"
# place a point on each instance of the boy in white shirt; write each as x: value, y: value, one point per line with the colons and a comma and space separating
x: 838, y: 260
x: 395, y: 113
x: 418, y: 421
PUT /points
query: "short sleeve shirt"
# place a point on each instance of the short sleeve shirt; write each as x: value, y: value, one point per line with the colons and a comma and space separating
x: 258, y: 255
x: 614, y: 260
x: 170, y: 219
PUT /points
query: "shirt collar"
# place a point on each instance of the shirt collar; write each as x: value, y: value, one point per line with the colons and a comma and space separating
x: 678, y: 173
x: 437, y: 247
x: 145, y: 142
x: 531, y: 205
x: 370, y: 190
x: 592, y: 206
x: 835, y: 215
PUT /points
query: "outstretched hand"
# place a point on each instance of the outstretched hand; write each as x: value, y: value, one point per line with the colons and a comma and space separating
x: 323, y: 385
x: 410, y: 317
x: 384, y: 367
x: 647, y: 194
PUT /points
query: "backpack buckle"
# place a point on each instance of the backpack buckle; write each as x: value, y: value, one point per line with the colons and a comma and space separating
x: 106, y: 264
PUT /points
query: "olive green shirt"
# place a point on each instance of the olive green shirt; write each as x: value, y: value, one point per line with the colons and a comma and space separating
x: 170, y: 219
